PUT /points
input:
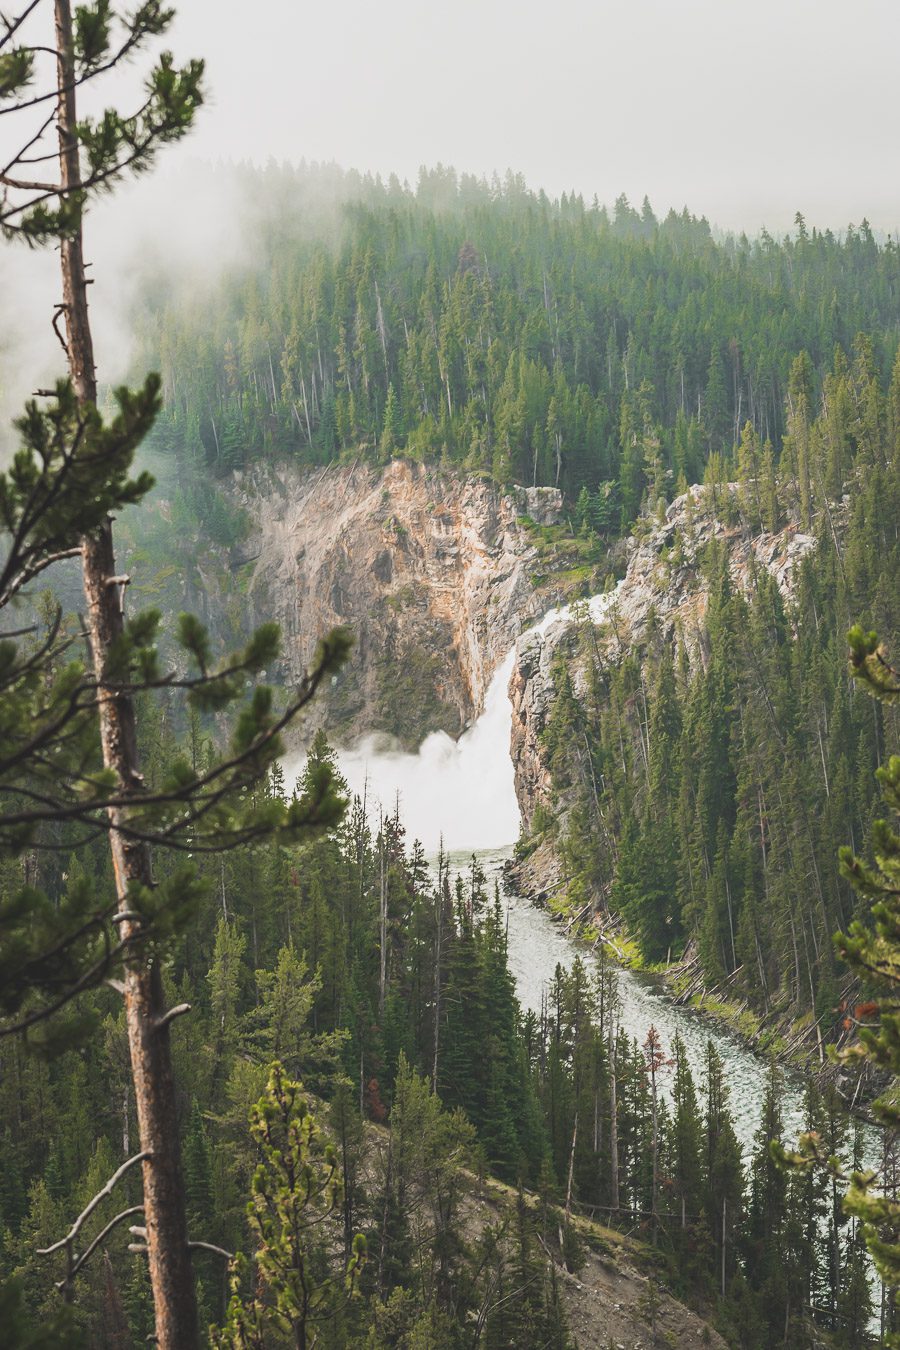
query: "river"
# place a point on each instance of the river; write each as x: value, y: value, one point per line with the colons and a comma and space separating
x: 537, y: 944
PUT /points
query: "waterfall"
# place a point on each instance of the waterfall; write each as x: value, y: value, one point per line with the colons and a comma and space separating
x: 462, y: 791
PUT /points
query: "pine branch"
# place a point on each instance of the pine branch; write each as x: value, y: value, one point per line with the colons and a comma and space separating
x: 211, y: 1247
x: 12, y: 25
x: 194, y: 791
x: 135, y: 37
x: 92, y: 976
x: 98, y: 1240
x: 19, y: 158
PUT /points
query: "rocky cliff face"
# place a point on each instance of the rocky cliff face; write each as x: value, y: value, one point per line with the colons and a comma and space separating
x: 432, y: 572
x: 663, y: 579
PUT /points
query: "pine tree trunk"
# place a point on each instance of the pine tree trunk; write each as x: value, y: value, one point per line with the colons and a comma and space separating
x: 571, y: 1169
x: 171, y: 1275
x: 382, y: 942
x: 613, y: 1130
x: 655, y: 1147
x: 437, y: 978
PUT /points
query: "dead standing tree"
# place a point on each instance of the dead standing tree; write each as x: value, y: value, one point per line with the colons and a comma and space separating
x: 56, y: 501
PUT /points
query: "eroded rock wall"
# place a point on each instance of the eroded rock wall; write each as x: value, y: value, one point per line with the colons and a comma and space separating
x: 433, y: 572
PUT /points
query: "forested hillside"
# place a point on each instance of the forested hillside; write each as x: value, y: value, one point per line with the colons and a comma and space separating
x: 621, y: 357
x: 709, y: 797
x: 542, y: 342
x: 385, y: 985
x: 699, y: 789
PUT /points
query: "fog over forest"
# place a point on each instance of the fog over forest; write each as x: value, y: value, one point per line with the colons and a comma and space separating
x: 744, y: 121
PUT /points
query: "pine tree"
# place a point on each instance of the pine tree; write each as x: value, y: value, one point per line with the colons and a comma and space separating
x: 72, y: 471
x: 724, y: 1179
x: 715, y: 405
x: 390, y: 428
x: 875, y: 956
x: 854, y: 1305
x: 296, y: 1197
x: 197, y: 1167
x: 422, y: 1185
x: 685, y: 1142
x: 767, y: 1213
x: 224, y: 979
x: 526, y: 1309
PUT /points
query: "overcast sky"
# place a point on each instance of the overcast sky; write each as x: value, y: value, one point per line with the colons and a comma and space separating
x: 745, y: 112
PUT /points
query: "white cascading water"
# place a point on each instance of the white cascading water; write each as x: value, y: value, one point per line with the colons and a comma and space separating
x: 460, y: 791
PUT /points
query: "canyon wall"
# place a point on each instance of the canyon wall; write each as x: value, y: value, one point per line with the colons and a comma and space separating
x: 433, y: 572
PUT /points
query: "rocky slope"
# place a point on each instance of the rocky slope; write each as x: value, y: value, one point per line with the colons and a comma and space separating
x: 433, y: 573
x: 664, y: 582
x: 617, y: 1300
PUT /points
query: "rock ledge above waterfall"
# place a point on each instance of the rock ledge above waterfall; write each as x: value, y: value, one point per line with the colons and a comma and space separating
x: 664, y: 582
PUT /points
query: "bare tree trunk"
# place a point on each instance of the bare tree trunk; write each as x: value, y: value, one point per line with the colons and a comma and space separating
x: 305, y: 408
x: 734, y: 960
x: 382, y: 944
x: 655, y: 1113
x: 385, y: 1214
x: 613, y: 1130
x: 272, y: 378
x: 169, y: 1259
x: 571, y: 1169
x: 437, y: 972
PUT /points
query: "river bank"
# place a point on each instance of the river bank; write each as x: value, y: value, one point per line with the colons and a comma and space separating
x: 799, y: 1044
x: 538, y: 942
x: 460, y: 797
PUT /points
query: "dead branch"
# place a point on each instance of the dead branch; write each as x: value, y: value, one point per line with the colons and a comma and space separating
x: 101, y: 1236
x: 178, y: 1011
x: 92, y: 1205
x: 211, y: 1247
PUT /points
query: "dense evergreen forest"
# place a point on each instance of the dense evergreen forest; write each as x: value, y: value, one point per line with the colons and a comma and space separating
x: 542, y: 342
x: 621, y: 358
x: 712, y: 800
x: 384, y: 984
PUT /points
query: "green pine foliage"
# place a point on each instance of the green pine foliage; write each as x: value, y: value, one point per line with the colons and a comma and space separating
x: 296, y: 1194
x: 709, y: 797
x: 871, y: 949
x: 561, y: 1102
x: 484, y: 327
x: 481, y: 324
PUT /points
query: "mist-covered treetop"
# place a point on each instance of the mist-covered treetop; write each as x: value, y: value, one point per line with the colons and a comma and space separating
x: 482, y: 324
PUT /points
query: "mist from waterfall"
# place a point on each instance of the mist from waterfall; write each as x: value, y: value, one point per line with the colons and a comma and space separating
x: 462, y: 792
